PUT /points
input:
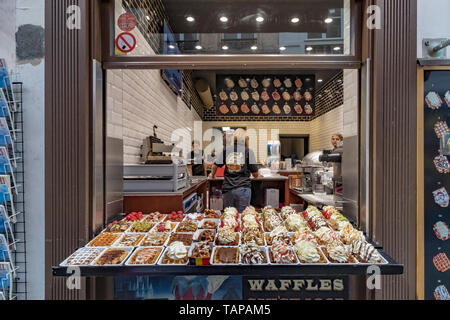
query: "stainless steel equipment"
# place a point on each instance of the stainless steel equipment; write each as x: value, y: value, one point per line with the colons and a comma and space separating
x: 309, y: 168
x: 156, y: 177
x: 333, y: 158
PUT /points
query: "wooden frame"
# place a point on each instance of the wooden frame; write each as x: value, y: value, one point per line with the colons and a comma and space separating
x: 420, y: 263
x: 237, y: 62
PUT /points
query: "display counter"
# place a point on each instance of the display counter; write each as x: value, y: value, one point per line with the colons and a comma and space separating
x: 128, y: 247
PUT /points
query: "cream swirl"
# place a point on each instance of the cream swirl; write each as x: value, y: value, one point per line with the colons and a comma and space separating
x: 278, y: 231
x: 230, y: 221
x: 295, y: 222
x: 176, y: 251
x: 338, y: 253
x: 307, y: 251
x: 249, y: 221
x: 226, y: 235
x: 327, y: 235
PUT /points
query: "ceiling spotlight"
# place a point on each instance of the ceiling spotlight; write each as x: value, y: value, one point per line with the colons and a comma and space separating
x: 295, y: 20
x: 328, y: 20
x: 190, y: 19
x: 147, y: 17
x: 254, y: 48
x: 320, y: 80
x: 337, y: 48
x: 198, y: 47
x: 171, y: 46
x: 223, y: 19
x: 282, y: 48
x: 309, y: 48
x: 225, y: 48
x: 260, y: 19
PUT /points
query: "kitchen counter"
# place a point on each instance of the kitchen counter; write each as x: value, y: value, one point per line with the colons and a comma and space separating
x: 163, y: 201
x: 191, y: 186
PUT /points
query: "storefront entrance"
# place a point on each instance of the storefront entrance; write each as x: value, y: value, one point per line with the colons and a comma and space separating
x: 376, y: 86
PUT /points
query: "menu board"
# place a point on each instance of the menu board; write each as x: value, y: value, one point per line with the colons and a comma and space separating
x: 265, y: 95
x: 436, y: 184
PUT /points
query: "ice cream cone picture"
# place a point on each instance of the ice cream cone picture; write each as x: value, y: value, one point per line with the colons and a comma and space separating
x: 441, y: 197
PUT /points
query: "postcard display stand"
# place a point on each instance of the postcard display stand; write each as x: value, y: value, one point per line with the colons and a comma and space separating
x: 12, y: 218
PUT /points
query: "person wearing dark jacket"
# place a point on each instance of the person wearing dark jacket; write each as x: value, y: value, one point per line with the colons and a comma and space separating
x: 240, y: 163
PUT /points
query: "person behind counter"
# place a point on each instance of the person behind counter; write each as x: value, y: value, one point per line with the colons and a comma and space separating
x: 197, y: 165
x: 336, y: 139
x: 239, y: 162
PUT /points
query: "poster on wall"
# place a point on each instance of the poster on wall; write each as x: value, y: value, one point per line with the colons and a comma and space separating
x: 265, y: 95
x: 436, y: 184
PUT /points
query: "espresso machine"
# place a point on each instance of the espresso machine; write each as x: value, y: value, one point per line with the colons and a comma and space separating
x: 333, y: 158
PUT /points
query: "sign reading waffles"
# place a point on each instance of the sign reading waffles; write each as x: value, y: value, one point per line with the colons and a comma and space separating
x: 127, y: 22
x: 125, y: 42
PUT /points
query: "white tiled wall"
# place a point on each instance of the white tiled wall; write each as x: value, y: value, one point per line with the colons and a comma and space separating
x: 139, y: 99
x: 136, y: 101
x: 322, y: 128
x: 351, y: 96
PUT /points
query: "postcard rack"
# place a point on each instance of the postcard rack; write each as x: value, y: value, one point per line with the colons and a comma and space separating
x: 13, y: 279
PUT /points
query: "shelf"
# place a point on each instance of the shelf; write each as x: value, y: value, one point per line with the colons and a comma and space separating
x: 392, y: 268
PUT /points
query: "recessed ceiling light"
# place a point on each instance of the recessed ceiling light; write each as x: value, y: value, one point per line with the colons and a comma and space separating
x: 320, y: 80
x: 198, y: 47
x: 309, y: 48
x: 328, y: 20
x: 295, y: 20
x: 225, y: 48
x: 260, y: 19
x: 254, y: 48
x: 171, y: 46
x: 337, y: 48
x: 223, y: 19
x: 282, y: 48
x: 190, y: 19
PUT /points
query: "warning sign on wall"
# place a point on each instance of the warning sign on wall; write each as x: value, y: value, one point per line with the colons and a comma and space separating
x: 125, y: 42
x: 127, y: 22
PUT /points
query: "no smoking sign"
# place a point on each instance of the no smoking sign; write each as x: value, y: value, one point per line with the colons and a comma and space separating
x: 125, y: 42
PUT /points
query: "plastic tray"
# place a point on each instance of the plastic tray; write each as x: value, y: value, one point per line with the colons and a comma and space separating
x: 117, y: 244
x: 266, y: 252
x: 155, y: 228
x: 129, y: 249
x: 283, y: 264
x: 139, y: 249
x: 162, y: 245
x: 225, y: 264
x: 320, y: 251
x: 106, y: 246
x: 201, y: 223
x: 199, y: 261
x: 224, y: 245
x: 178, y: 264
x: 100, y: 249
x: 199, y: 231
x: 187, y: 233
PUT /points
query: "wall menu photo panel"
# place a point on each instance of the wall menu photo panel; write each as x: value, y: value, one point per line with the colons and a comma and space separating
x: 265, y: 95
x: 436, y: 184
